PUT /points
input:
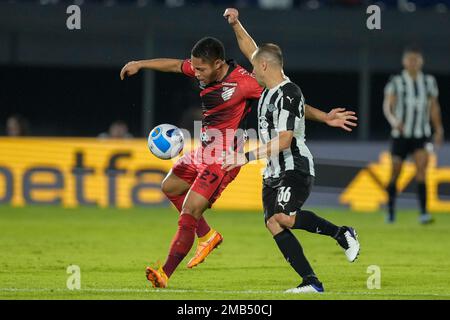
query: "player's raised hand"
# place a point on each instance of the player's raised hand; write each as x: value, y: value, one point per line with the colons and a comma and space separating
x: 129, y: 69
x: 340, y: 118
x: 399, y: 126
x: 232, y: 15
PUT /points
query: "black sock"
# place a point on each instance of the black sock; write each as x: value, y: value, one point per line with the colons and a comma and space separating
x: 422, y: 195
x: 293, y: 253
x: 307, y: 220
x: 392, y: 192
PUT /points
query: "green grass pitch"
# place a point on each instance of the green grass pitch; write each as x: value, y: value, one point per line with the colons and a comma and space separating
x: 112, y: 248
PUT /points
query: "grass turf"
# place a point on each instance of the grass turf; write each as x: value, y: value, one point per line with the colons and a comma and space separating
x: 112, y: 248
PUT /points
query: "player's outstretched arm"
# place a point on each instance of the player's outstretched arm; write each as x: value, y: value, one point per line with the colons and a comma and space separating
x: 163, y: 65
x: 281, y: 142
x: 337, y: 117
x: 246, y: 43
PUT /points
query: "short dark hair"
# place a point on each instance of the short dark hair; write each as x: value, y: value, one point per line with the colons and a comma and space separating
x: 412, y: 48
x: 209, y: 49
x: 271, y: 50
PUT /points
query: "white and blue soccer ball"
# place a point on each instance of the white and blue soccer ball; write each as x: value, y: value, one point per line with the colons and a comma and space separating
x: 166, y: 141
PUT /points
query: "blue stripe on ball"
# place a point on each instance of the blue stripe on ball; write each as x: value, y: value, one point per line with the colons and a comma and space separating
x: 161, y: 143
x: 155, y: 132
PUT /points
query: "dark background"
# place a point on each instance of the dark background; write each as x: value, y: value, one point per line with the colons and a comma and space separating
x: 66, y: 83
x: 84, y: 101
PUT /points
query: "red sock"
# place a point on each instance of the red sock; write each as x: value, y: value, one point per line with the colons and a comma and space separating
x: 202, y: 226
x: 181, y: 243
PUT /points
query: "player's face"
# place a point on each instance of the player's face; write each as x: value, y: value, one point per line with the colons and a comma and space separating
x: 13, y: 127
x: 412, y: 61
x: 259, y: 67
x: 206, y: 72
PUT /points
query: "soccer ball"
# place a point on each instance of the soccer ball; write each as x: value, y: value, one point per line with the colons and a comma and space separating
x: 166, y: 141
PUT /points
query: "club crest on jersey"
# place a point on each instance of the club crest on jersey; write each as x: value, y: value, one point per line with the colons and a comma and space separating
x: 227, y: 93
x: 263, y: 124
x: 271, y: 107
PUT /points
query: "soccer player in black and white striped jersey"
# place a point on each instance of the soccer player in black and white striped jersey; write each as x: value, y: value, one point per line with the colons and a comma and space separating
x: 410, y: 102
x: 289, y: 174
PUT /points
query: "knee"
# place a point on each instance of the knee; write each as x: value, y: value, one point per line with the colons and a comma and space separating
x: 168, y: 188
x: 165, y: 187
x: 272, y: 223
x: 194, y: 210
x: 284, y: 220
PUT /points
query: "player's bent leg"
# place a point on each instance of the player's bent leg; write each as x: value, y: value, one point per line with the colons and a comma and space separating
x: 421, y: 162
x: 273, y: 225
x: 176, y: 188
x: 179, y: 180
x: 212, y: 180
x: 306, y: 220
x: 397, y: 163
x: 179, y: 248
x: 197, y: 205
x: 309, y: 221
x: 293, y: 253
x: 172, y: 184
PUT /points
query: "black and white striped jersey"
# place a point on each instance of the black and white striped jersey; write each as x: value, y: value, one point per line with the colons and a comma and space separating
x: 279, y: 109
x: 412, y: 103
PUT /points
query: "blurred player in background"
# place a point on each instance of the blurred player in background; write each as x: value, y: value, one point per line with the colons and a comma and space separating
x: 16, y: 126
x: 117, y: 130
x: 289, y: 174
x: 410, y: 104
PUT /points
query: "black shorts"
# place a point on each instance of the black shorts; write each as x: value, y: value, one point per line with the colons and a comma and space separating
x: 286, y: 194
x: 403, y: 147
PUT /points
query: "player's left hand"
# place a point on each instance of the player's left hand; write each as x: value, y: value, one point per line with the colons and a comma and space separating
x: 129, y: 69
x: 233, y: 160
x: 232, y: 15
x: 340, y: 118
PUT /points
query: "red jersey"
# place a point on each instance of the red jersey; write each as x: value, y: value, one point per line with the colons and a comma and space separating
x: 225, y: 103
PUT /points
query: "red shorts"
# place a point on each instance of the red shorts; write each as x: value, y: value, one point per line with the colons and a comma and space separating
x: 209, y: 180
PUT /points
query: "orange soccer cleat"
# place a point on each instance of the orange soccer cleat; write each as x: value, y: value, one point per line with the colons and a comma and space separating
x: 157, y: 277
x: 205, y: 246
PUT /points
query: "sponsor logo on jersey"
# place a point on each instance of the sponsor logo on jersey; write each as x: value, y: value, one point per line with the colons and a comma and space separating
x: 230, y: 84
x: 227, y: 93
x: 263, y: 124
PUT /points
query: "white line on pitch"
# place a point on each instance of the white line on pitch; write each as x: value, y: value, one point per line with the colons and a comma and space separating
x: 129, y: 290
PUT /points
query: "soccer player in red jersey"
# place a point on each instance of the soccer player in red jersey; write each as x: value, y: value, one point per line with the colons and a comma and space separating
x: 197, y: 179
